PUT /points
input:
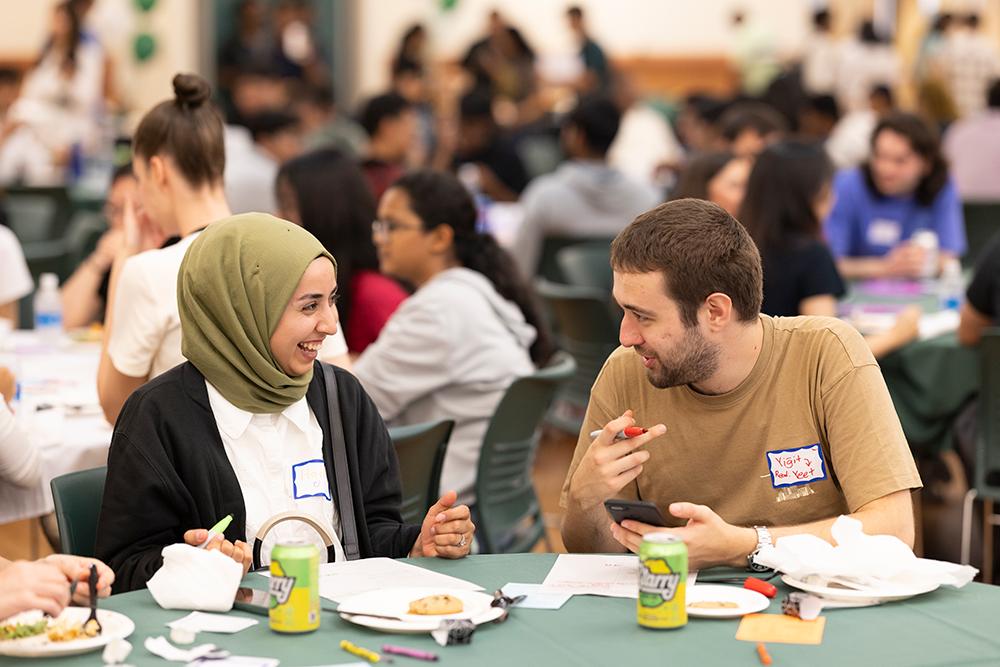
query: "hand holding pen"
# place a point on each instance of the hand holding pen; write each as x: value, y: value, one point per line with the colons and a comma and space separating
x: 213, y: 539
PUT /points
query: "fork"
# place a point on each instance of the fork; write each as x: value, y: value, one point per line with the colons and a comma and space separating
x: 92, y: 581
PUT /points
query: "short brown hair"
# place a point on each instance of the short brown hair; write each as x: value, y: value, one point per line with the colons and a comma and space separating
x: 700, y: 249
x: 188, y: 128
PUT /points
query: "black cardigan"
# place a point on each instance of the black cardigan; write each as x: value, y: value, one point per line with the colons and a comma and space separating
x: 168, y: 472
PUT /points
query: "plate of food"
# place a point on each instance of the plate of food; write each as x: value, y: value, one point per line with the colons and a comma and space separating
x: 33, y: 635
x: 863, y: 595
x: 416, y: 610
x: 717, y: 601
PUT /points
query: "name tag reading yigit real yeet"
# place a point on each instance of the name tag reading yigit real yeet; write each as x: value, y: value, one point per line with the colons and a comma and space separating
x: 791, y: 470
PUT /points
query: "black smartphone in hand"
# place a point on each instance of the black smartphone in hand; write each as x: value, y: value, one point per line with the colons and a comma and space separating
x: 635, y: 510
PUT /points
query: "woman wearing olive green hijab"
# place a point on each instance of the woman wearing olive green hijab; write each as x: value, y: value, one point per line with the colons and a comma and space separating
x: 243, y: 427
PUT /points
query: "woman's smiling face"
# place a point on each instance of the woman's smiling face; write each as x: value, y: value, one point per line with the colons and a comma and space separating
x: 310, y: 316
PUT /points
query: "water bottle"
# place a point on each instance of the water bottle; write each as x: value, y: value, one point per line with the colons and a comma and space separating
x: 928, y: 240
x: 952, y: 285
x: 48, y: 309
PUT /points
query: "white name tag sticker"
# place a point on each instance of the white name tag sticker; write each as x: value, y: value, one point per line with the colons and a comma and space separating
x: 791, y: 467
x: 309, y: 480
x: 884, y: 232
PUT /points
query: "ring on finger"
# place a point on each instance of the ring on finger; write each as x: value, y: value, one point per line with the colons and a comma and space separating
x: 463, y: 541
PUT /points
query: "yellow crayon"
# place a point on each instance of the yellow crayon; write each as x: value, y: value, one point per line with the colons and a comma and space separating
x: 365, y: 654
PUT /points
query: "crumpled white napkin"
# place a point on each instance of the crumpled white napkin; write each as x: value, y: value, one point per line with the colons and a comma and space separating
x: 161, y: 647
x: 195, y: 579
x: 884, y: 558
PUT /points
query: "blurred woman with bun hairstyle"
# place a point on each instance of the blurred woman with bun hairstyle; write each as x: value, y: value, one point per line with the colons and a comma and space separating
x: 179, y: 158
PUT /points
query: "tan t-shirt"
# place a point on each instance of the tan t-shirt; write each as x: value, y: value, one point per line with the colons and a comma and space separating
x: 809, y: 435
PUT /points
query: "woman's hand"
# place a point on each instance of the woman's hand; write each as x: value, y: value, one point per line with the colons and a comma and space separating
x: 77, y: 568
x: 447, y: 531
x: 239, y: 551
x: 35, y: 585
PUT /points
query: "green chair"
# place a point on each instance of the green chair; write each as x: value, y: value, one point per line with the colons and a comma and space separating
x: 420, y: 450
x: 586, y: 326
x: 507, y: 514
x: 77, y: 497
x: 40, y: 218
x: 982, y: 221
x: 548, y: 266
x: 37, y: 214
x: 986, y: 472
x: 587, y: 265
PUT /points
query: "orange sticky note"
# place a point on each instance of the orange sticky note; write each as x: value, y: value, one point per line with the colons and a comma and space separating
x: 780, y: 629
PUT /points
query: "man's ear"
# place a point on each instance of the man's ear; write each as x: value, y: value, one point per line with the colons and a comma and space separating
x: 718, y: 310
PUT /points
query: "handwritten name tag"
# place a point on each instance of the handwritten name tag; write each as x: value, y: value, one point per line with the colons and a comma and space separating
x: 882, y: 232
x: 791, y: 467
x: 309, y: 480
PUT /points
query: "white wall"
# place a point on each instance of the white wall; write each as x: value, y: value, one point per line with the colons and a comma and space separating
x: 24, y: 25
x: 623, y: 27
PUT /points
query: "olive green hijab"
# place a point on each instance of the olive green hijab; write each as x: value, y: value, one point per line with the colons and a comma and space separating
x: 233, y: 286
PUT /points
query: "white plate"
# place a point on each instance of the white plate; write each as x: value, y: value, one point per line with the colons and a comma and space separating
x: 748, y: 602
x: 396, y: 602
x: 870, y: 596
x: 115, y: 626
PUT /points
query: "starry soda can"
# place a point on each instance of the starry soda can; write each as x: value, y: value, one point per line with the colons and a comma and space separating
x: 294, y: 588
x: 663, y: 569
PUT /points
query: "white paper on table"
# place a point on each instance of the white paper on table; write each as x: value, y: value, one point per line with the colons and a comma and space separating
x: 935, y: 324
x: 237, y: 661
x: 586, y: 574
x: 199, y: 621
x: 339, y: 581
x: 538, y: 597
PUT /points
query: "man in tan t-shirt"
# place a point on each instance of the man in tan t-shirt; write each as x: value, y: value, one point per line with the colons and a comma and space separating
x: 773, y: 426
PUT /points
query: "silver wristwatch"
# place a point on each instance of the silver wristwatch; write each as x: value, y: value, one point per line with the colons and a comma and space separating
x: 763, y: 540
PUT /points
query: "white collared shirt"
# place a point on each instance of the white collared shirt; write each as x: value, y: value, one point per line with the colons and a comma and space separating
x: 278, y: 461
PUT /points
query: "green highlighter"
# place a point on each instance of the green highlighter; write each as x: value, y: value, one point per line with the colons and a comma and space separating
x: 217, y: 530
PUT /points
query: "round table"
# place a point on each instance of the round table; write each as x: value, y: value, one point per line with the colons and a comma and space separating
x: 946, y: 627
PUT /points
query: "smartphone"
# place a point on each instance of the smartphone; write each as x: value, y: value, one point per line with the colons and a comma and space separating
x: 253, y: 600
x: 635, y: 510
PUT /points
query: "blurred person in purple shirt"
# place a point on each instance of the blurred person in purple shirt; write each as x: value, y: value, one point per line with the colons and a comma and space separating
x: 902, y: 189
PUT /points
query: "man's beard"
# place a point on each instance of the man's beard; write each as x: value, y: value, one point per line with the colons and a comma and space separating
x: 694, y: 360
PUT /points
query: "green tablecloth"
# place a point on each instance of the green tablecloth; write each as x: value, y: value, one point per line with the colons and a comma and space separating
x: 946, y: 627
x: 929, y: 380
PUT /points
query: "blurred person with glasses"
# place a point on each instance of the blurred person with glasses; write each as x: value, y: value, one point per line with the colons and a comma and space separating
x: 85, y: 294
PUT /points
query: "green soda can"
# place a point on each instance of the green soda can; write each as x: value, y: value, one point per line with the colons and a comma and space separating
x: 663, y: 569
x: 294, y: 588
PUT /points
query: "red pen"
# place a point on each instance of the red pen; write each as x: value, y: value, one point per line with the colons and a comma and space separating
x: 624, y: 434
x: 764, y: 588
x: 409, y: 652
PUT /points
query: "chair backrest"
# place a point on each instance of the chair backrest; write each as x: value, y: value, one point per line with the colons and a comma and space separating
x: 587, y: 265
x: 982, y: 221
x: 37, y: 214
x: 420, y: 450
x: 548, y: 266
x: 585, y: 326
x: 77, y: 497
x: 508, y: 516
x: 986, y: 477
